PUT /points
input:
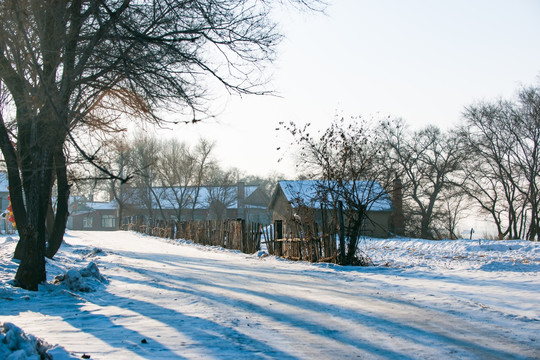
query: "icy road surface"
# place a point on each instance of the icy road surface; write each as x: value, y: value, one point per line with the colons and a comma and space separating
x: 175, y: 300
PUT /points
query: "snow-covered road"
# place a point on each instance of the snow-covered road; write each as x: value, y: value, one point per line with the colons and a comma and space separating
x: 166, y: 300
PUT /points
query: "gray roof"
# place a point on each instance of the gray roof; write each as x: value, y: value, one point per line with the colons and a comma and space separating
x: 98, y: 205
x: 314, y: 192
x: 86, y: 207
x: 226, y: 194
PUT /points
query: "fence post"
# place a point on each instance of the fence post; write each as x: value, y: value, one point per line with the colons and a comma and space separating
x: 259, y: 235
x: 278, y: 235
x: 341, y: 231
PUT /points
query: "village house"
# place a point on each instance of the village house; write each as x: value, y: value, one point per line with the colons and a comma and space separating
x: 291, y: 199
x: 92, y: 215
x: 240, y: 201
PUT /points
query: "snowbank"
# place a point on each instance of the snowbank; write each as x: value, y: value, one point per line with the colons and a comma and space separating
x: 487, y: 255
x: 15, y: 344
x: 85, y: 280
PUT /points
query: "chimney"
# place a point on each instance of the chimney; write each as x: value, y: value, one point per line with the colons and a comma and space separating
x: 241, y: 196
x: 397, y: 218
x: 111, y: 192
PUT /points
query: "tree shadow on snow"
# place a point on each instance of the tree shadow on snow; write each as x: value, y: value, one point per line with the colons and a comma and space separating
x: 353, y: 329
x: 413, y: 333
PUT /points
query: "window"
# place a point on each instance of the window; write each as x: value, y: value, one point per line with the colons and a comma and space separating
x: 87, y: 222
x: 108, y: 221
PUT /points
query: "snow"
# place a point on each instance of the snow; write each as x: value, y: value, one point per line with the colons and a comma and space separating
x: 120, y: 295
x: 168, y: 197
x: 96, y: 205
x: 308, y: 193
x: 15, y: 345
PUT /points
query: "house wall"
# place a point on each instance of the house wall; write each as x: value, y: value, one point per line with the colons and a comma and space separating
x: 75, y: 222
x: 3, y: 201
x: 254, y: 209
x: 378, y: 224
x: 97, y: 223
x: 281, y: 209
x: 258, y: 215
x: 258, y: 198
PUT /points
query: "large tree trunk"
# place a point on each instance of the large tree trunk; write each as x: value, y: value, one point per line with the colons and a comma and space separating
x: 38, y: 138
x: 37, y: 183
x: 425, y: 231
x: 56, y: 236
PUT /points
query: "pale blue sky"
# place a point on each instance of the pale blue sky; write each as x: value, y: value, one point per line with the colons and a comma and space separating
x: 421, y: 60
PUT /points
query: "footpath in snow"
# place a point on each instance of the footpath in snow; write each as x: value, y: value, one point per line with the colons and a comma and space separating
x: 119, y: 295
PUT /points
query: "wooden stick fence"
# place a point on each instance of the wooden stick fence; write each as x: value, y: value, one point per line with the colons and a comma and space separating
x: 230, y: 234
x: 295, y: 242
x: 301, y: 242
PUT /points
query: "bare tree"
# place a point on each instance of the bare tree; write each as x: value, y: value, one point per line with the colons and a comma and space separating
x: 121, y: 162
x: 144, y: 158
x: 428, y: 161
x: 266, y: 183
x: 486, y: 181
x: 176, y: 167
x: 342, y: 158
x: 204, y: 164
x: 182, y: 171
x: 221, y: 192
x: 450, y: 212
x: 77, y: 64
x: 164, y: 174
x: 504, y: 179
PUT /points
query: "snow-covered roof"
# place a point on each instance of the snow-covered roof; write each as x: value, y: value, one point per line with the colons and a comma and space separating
x: 314, y: 192
x: 111, y: 205
x: 226, y: 194
x: 85, y: 207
